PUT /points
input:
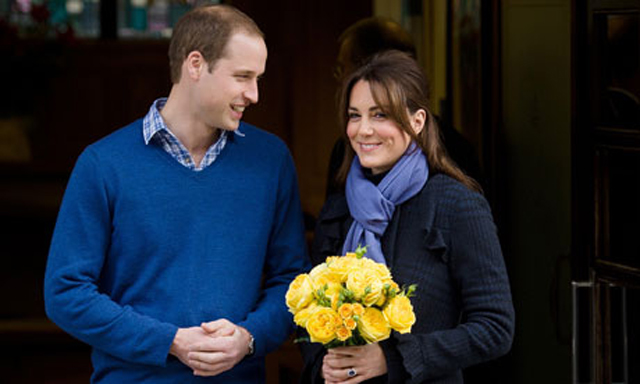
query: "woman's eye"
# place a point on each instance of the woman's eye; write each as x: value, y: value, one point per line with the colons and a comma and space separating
x: 353, y: 116
x: 380, y: 115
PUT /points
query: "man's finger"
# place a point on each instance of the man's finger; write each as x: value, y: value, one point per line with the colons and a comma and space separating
x: 211, y: 370
x: 210, y: 358
x: 217, y: 344
x: 218, y: 325
x: 201, y: 368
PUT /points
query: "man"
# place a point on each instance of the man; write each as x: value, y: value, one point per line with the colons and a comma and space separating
x: 179, y: 234
x: 357, y: 44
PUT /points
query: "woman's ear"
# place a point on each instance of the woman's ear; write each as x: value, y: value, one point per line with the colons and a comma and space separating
x: 194, y: 64
x: 418, y: 120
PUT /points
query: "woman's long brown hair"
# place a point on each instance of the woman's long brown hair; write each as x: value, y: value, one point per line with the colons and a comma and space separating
x: 398, y: 84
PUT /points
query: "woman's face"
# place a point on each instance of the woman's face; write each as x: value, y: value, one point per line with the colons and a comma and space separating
x: 377, y: 140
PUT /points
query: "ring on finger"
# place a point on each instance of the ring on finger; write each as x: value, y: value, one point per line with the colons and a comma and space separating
x: 352, y: 372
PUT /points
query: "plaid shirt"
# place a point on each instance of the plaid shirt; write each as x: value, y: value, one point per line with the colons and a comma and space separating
x: 154, y: 129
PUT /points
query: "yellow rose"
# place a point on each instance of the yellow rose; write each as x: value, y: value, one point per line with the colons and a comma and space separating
x: 331, y: 259
x: 318, y: 269
x: 321, y: 275
x: 392, y: 291
x: 303, y: 315
x: 373, y: 326
x: 381, y: 301
x: 393, y: 286
x: 358, y: 309
x: 345, y: 310
x: 383, y: 272
x: 323, y: 324
x: 363, y: 279
x: 300, y: 293
x: 343, y: 266
x: 350, y: 323
x: 343, y: 333
x: 334, y: 302
x: 399, y: 314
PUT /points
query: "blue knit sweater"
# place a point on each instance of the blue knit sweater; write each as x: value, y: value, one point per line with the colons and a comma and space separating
x: 143, y: 246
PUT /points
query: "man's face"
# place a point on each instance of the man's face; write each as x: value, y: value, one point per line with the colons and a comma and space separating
x: 223, y: 94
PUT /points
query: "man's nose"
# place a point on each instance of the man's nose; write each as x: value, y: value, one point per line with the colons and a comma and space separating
x: 251, y: 93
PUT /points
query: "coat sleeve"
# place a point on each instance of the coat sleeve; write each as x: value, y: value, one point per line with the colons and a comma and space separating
x: 312, y: 355
x: 396, y: 372
x: 487, y: 321
x: 270, y: 322
x: 71, y: 291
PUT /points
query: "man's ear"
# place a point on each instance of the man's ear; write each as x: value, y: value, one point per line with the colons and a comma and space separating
x: 418, y: 120
x: 194, y: 64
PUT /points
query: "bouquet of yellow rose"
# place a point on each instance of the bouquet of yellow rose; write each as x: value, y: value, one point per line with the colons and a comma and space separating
x: 350, y: 300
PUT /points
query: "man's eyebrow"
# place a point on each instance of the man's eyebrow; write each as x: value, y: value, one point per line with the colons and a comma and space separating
x: 244, y: 71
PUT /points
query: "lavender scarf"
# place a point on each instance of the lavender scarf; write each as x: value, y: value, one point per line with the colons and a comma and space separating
x: 372, y: 206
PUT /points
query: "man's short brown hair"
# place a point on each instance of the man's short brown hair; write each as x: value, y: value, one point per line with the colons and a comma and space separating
x: 207, y: 30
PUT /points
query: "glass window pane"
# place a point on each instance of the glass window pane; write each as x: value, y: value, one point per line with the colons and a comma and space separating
x: 53, y: 19
x: 621, y: 70
x: 624, y: 207
x: 152, y: 18
x: 4, y: 8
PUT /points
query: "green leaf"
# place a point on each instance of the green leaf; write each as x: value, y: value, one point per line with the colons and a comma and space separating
x: 360, y: 251
x: 411, y: 291
x: 348, y: 295
x: 322, y: 298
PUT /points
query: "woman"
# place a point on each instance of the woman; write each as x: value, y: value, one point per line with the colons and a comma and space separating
x: 422, y: 216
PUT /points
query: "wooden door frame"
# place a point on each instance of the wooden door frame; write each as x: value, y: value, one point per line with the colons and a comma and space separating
x: 590, y: 174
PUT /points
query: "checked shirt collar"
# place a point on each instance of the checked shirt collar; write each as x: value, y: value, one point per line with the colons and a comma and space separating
x: 154, y: 129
